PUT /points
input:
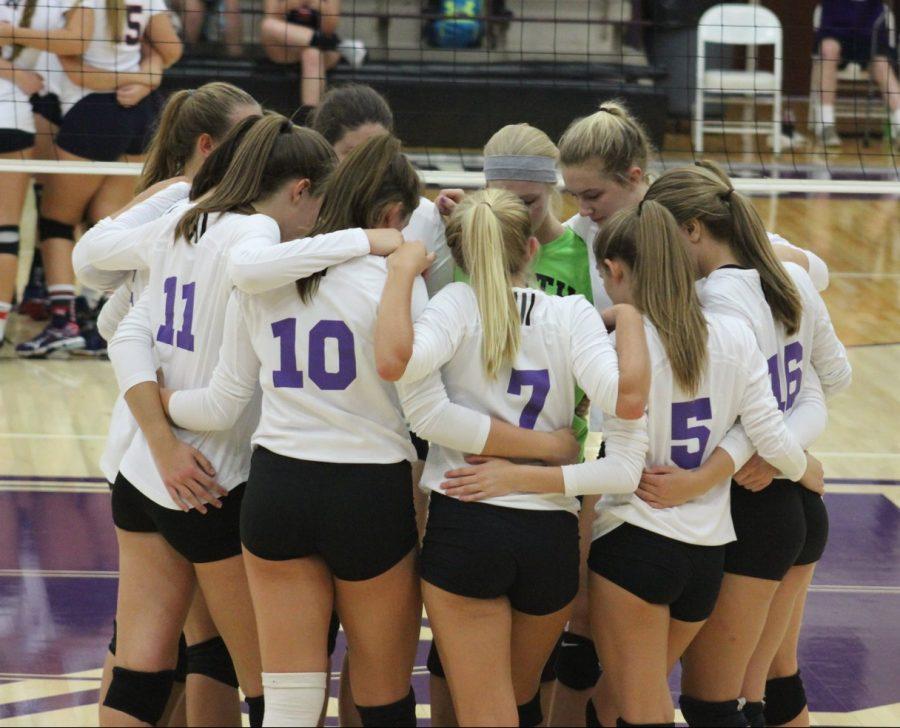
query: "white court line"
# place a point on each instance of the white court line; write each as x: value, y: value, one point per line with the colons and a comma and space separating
x: 61, y: 487
x: 48, y: 436
x: 61, y: 573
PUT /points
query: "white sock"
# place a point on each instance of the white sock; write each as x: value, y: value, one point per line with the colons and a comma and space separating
x: 293, y: 698
x: 895, y: 117
x: 828, y: 114
x: 5, y: 309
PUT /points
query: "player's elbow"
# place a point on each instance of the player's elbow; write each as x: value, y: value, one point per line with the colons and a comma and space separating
x: 630, y: 407
x: 390, y: 368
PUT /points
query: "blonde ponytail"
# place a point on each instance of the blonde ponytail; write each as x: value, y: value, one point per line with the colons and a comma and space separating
x: 646, y: 238
x: 704, y: 192
x: 488, y: 235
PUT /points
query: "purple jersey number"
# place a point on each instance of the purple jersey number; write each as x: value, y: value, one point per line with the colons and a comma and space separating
x: 166, y: 333
x: 793, y: 375
x: 686, y: 418
x: 539, y: 381
x: 288, y: 375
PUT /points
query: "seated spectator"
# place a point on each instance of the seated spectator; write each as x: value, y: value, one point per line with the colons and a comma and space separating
x: 853, y: 31
x: 193, y: 14
x: 303, y: 31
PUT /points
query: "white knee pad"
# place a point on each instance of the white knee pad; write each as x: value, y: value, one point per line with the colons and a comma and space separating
x: 293, y: 698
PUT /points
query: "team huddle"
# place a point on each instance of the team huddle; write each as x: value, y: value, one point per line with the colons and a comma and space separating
x: 340, y: 401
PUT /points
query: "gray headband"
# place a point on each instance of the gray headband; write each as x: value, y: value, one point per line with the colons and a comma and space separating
x: 520, y: 167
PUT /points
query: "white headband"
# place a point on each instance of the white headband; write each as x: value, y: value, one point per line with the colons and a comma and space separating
x: 520, y: 167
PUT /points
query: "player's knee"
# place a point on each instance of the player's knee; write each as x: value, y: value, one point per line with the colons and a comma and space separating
x: 577, y: 666
x: 142, y: 695
x: 725, y: 713
x: 530, y: 713
x: 211, y: 658
x: 50, y: 228
x: 9, y: 240
x: 785, y: 699
x: 401, y: 713
x: 830, y: 50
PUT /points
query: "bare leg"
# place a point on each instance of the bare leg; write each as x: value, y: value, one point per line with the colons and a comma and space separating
x: 381, y: 618
x: 826, y: 68
x: 156, y: 585
x: 884, y: 77
x: 532, y: 642
x: 234, y: 27
x: 208, y: 701
x: 474, y: 635
x: 716, y: 662
x: 13, y: 188
x: 348, y: 715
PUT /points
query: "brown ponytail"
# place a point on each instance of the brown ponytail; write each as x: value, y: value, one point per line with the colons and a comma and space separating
x: 704, y: 192
x: 273, y: 152
x: 372, y: 177
x: 216, y: 164
x: 647, y: 239
x: 189, y: 113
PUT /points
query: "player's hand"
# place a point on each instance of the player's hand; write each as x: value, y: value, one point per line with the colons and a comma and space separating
x: 666, y: 487
x: 29, y: 81
x: 814, y: 477
x: 189, y: 477
x: 411, y: 258
x: 131, y: 94
x: 448, y: 199
x: 756, y: 475
x: 564, y: 448
x: 483, y: 478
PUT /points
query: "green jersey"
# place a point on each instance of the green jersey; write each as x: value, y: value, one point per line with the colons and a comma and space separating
x: 560, y: 268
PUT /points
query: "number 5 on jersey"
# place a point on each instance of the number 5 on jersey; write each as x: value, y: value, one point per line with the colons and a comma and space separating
x: 288, y: 375
x: 686, y: 427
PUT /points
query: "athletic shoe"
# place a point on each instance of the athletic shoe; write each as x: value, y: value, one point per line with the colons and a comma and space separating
x: 94, y: 344
x: 827, y: 136
x: 51, y: 340
x: 35, y: 303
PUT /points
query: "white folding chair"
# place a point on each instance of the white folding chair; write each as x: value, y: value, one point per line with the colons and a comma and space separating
x: 751, y: 26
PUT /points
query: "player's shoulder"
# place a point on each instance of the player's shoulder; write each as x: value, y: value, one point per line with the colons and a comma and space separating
x: 729, y: 337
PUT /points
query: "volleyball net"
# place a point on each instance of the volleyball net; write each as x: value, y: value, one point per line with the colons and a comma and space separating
x: 757, y: 89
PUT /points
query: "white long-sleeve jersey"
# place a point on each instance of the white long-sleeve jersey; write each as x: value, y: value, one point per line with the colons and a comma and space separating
x: 685, y: 429
x: 563, y: 344
x: 322, y: 397
x: 426, y: 225
x: 182, y: 316
x: 738, y: 292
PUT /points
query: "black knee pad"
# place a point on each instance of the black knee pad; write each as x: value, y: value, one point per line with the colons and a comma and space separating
x: 257, y: 708
x: 530, y: 714
x: 591, y: 719
x: 9, y: 240
x: 402, y: 713
x: 577, y: 666
x: 753, y: 712
x: 142, y: 695
x: 112, y: 640
x: 211, y: 658
x: 785, y: 699
x: 434, y: 664
x: 48, y: 228
x: 724, y: 714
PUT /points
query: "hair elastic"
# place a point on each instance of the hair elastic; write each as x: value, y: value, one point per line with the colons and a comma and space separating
x: 520, y: 167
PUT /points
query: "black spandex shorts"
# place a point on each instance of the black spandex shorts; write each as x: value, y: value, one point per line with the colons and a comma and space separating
x: 98, y: 128
x: 199, y: 537
x: 484, y: 551
x: 358, y: 517
x: 781, y: 526
x: 661, y: 570
x: 856, y: 47
x: 47, y: 106
x: 15, y: 140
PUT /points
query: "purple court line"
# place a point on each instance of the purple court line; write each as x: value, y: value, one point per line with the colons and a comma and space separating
x: 92, y: 479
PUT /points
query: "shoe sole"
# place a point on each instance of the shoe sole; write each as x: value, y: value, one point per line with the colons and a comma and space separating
x: 76, y: 342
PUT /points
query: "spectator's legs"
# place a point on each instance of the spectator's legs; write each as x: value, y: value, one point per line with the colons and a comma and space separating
x: 192, y: 14
x: 283, y: 42
x: 827, y: 68
x: 886, y: 80
x: 234, y: 30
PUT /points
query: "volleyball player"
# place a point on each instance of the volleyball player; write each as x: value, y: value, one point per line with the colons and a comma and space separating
x: 96, y: 126
x: 781, y: 529
x: 347, y: 117
x: 496, y: 341
x: 57, y: 27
